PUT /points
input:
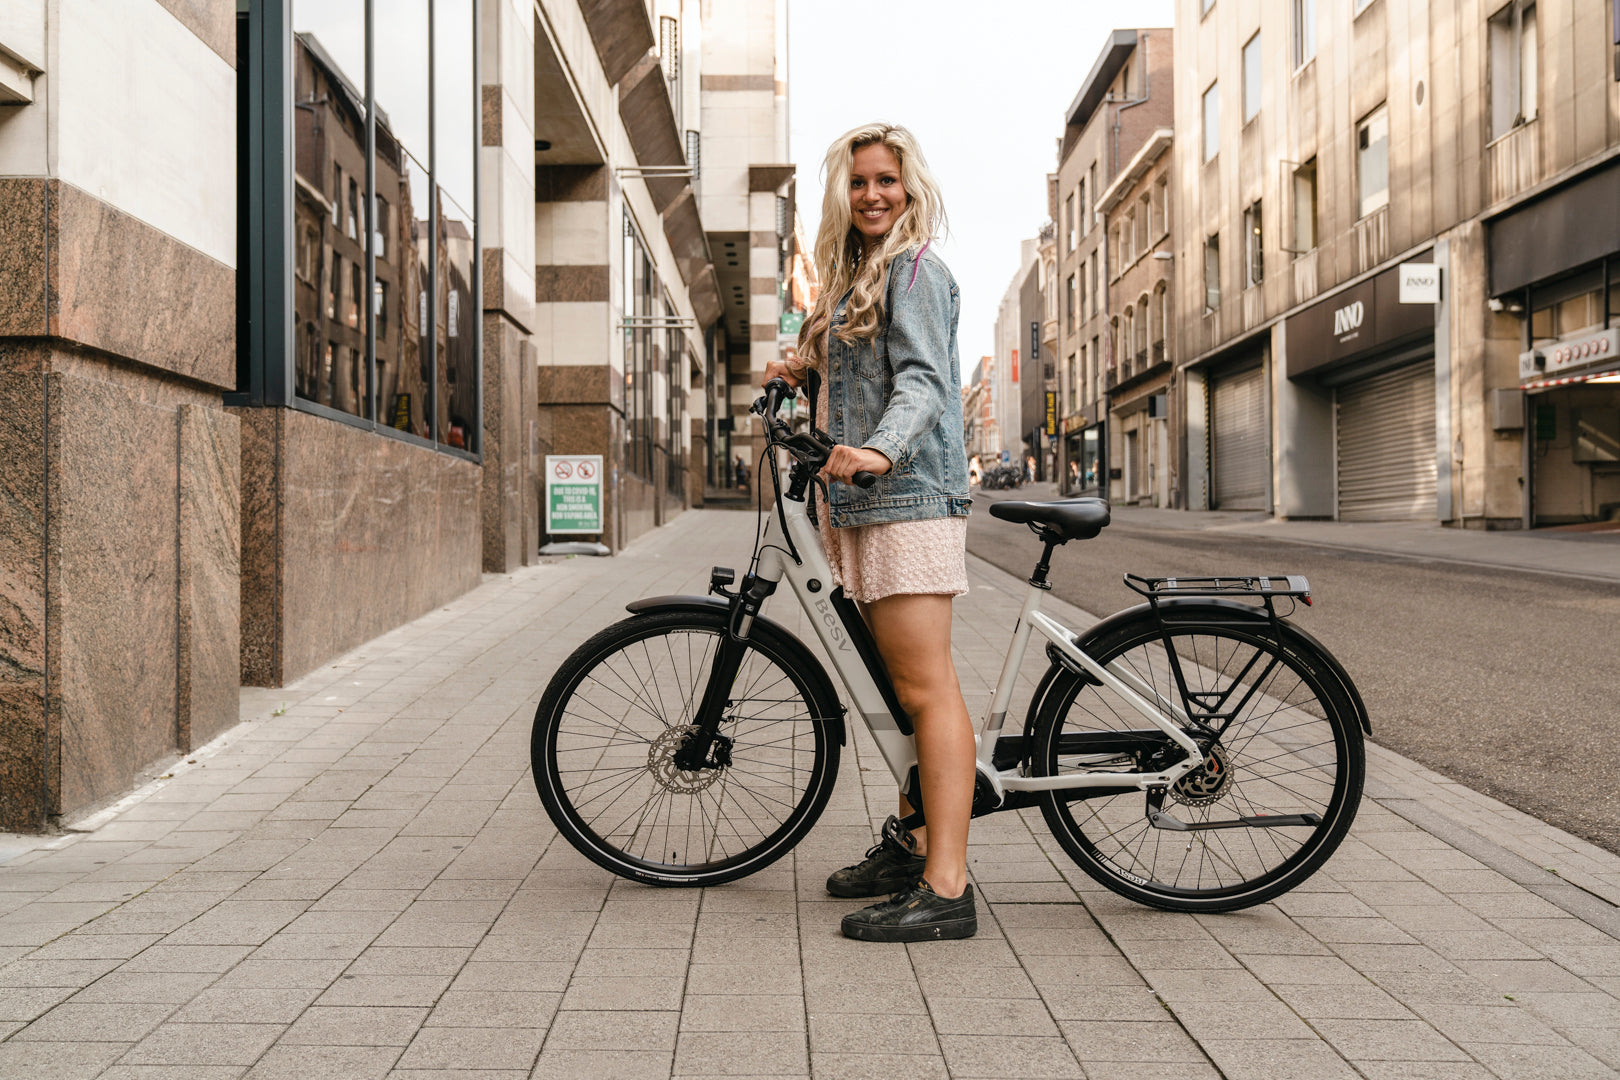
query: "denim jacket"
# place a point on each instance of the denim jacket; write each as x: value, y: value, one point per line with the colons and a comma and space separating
x: 900, y: 394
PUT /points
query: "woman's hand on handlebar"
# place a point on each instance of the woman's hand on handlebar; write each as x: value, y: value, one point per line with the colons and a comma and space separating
x: 775, y: 369
x: 845, y: 461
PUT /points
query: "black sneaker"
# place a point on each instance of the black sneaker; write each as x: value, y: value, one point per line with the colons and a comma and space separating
x: 916, y: 914
x: 888, y: 868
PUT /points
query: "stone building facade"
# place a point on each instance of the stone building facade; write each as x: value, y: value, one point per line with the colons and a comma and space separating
x: 1143, y: 436
x: 263, y: 407
x: 1125, y: 97
x: 1327, y: 155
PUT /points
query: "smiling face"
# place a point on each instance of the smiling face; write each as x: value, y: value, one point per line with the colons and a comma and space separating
x: 876, y: 195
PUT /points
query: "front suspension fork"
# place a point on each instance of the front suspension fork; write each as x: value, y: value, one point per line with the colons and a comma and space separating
x: 705, y: 747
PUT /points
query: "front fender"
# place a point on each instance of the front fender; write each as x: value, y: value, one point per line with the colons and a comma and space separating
x: 805, y: 661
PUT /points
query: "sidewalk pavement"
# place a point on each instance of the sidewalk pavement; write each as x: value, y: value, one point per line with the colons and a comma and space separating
x: 1582, y: 551
x: 359, y: 881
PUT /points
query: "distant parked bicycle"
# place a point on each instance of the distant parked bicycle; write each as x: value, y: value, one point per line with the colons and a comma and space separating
x: 1196, y: 752
x: 1003, y: 478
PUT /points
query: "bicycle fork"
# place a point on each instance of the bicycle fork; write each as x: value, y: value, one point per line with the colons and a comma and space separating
x: 704, y: 747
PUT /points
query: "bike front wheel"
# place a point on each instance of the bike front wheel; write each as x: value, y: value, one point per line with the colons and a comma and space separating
x: 1277, y: 795
x: 618, y: 711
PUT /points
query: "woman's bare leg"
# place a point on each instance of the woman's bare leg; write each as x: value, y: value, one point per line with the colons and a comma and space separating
x: 913, y: 634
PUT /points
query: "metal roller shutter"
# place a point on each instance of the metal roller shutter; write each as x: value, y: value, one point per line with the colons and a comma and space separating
x: 1386, y: 446
x: 1238, y: 445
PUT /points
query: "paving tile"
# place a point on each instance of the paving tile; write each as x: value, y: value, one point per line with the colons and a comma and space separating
x: 325, y: 1063
x: 1005, y: 1056
x: 56, y: 1061
x: 1114, y: 1041
x: 173, y: 1072
x: 73, y: 1022
x: 560, y: 1064
x: 491, y: 1008
x: 1520, y: 976
x: 868, y: 1066
x: 645, y: 1031
x: 643, y: 993
x: 403, y: 990
x: 740, y: 1053
x: 23, y: 1003
x: 853, y: 1033
x: 1340, y: 1002
x: 329, y: 1025
x: 473, y: 1048
x: 260, y: 974
x: 1539, y: 1062
x: 1240, y: 1020
x: 742, y: 1013
x: 203, y: 1044
x: 1507, y: 1023
x: 1388, y: 1040
x: 1272, y: 1059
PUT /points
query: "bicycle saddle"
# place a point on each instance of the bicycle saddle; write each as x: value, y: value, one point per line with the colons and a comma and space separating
x: 1070, y: 519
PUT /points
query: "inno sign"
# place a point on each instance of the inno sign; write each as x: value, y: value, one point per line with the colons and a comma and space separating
x: 1420, y: 283
x: 1348, y: 318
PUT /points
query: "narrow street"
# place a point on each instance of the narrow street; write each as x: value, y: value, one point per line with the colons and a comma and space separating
x: 1520, y: 715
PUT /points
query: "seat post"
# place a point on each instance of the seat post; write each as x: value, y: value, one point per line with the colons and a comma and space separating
x: 1038, y: 578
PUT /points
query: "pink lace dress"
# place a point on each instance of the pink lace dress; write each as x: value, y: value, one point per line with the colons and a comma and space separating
x: 894, y: 558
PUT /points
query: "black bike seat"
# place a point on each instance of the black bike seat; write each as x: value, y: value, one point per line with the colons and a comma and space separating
x: 1071, y: 519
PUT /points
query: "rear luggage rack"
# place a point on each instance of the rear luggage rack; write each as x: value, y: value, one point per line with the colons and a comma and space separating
x: 1264, y: 585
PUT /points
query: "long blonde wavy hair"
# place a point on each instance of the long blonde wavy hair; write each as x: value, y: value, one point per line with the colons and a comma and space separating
x: 841, y: 261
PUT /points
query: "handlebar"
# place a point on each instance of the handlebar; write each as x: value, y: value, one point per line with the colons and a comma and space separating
x: 810, y: 448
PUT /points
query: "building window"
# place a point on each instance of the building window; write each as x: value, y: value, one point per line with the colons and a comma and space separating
x: 1251, y: 78
x: 1084, y: 225
x: 1116, y: 351
x: 1305, y: 207
x: 1212, y: 121
x: 1212, y: 273
x: 1144, y: 224
x: 1254, y: 246
x: 1207, y: 4
x: 1359, y: 6
x: 1073, y: 371
x: 389, y: 340
x: 1085, y: 291
x: 1513, y: 67
x: 1127, y: 241
x: 1072, y: 235
x: 1096, y: 284
x: 1071, y: 301
x: 1088, y: 199
x: 650, y: 353
x: 1161, y: 206
x: 1304, y: 32
x: 1372, y: 161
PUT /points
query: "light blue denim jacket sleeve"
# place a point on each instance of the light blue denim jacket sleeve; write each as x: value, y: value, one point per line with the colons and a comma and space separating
x: 899, y: 394
x: 919, y: 349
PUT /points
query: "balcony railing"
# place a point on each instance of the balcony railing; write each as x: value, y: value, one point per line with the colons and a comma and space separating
x: 1305, y: 276
x: 1514, y: 160
x: 1370, y: 239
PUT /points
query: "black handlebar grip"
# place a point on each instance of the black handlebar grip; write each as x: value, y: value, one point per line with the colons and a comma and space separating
x: 864, y: 479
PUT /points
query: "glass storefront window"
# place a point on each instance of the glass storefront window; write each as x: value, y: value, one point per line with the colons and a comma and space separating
x: 457, y: 327
x: 385, y: 314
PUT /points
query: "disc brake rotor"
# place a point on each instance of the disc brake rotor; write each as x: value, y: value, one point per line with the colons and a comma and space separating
x: 1205, y: 784
x: 661, y: 763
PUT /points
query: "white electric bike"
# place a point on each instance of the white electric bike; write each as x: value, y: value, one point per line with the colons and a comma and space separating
x: 1196, y: 752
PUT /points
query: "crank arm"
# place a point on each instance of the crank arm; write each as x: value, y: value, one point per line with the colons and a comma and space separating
x: 1161, y: 820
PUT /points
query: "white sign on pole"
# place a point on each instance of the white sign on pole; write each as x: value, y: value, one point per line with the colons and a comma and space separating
x: 573, y: 493
x: 1420, y: 283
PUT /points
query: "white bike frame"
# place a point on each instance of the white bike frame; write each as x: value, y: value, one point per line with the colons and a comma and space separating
x: 812, y: 583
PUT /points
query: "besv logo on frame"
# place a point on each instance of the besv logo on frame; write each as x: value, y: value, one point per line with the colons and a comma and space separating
x: 830, y: 620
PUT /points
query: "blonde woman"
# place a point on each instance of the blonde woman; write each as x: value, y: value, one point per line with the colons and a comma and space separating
x: 879, y: 352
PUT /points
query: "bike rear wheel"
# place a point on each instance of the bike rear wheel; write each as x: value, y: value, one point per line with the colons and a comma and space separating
x: 619, y: 709
x: 1291, y: 750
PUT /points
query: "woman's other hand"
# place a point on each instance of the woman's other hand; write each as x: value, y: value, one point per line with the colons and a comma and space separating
x: 776, y: 369
x: 845, y: 461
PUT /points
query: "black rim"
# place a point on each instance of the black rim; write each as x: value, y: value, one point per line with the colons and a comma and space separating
x: 1282, y: 755
x: 612, y: 739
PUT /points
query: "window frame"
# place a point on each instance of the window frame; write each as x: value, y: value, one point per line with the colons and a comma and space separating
x: 1251, y: 109
x: 1304, y: 32
x: 268, y: 341
x: 1212, y: 288
x: 1254, y: 239
x: 1211, y: 141
x: 1381, y: 111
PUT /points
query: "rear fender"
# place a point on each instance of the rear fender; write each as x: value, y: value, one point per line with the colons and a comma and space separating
x: 803, y: 659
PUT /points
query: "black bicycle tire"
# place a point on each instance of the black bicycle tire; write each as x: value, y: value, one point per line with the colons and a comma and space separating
x: 1341, y: 716
x: 790, y: 656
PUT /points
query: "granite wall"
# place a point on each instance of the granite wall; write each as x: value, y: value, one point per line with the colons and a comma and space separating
x: 346, y: 534
x: 117, y: 598
x: 510, y: 507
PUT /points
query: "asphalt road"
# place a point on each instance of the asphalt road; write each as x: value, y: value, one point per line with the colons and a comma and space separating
x: 1502, y: 679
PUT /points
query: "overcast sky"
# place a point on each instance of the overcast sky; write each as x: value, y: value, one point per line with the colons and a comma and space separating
x: 983, y: 86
